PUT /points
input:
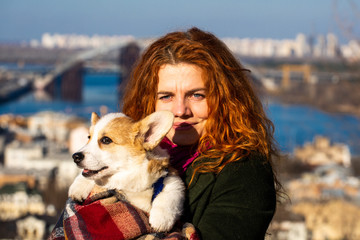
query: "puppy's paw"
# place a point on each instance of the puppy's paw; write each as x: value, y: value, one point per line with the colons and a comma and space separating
x: 78, y: 194
x: 80, y: 189
x: 161, y: 219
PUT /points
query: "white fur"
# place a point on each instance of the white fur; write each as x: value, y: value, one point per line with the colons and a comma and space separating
x: 173, y: 197
x: 128, y: 171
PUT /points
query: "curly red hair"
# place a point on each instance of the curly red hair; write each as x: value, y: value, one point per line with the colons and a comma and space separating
x: 236, y: 124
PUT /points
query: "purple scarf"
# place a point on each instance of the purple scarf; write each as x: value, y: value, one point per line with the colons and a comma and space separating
x: 180, y: 156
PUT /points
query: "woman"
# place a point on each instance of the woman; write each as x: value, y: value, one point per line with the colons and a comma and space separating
x: 221, y: 141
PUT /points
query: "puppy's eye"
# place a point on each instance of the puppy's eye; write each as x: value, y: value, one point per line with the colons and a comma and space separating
x: 89, y: 137
x: 105, y: 140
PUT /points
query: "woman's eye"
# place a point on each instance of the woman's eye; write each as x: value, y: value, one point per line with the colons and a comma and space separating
x: 165, y: 97
x: 105, y: 140
x: 198, y: 96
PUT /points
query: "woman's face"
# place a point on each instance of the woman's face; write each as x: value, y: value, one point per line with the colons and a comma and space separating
x: 181, y: 90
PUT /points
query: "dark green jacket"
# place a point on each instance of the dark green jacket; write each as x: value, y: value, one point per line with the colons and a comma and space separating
x: 237, y: 203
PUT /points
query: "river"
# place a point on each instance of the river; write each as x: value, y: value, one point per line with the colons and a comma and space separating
x: 294, y: 124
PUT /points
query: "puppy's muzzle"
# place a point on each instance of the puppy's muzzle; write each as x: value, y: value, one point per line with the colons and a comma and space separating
x: 78, y: 157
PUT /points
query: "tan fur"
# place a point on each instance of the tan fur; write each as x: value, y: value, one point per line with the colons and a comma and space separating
x: 123, y: 154
x: 157, y: 166
x: 94, y: 118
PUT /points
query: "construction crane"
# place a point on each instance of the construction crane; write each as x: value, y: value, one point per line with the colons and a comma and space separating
x: 346, y: 25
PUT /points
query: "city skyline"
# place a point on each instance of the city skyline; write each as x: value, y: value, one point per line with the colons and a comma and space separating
x: 25, y: 20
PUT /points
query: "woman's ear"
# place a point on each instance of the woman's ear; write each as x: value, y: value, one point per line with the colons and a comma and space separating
x: 154, y: 128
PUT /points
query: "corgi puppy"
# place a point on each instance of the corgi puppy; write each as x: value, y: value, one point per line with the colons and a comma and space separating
x: 124, y: 154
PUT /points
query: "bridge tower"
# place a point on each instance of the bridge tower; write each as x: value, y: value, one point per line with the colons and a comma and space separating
x: 68, y: 85
x: 305, y: 69
x: 127, y: 57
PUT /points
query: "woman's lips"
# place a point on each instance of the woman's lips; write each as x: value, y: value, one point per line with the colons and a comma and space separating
x: 183, y: 126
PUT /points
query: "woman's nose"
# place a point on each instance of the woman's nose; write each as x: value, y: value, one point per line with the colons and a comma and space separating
x: 181, y: 108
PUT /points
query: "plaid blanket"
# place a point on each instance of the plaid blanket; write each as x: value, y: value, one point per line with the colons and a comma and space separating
x: 106, y: 214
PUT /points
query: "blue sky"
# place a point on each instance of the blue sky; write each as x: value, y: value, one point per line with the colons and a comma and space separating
x: 22, y: 20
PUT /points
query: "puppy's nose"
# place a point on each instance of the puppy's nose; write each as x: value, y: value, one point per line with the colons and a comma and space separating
x: 78, y: 157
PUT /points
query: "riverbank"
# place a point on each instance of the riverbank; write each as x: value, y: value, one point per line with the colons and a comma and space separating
x: 335, y: 97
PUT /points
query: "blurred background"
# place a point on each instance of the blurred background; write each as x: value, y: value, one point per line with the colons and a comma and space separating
x: 62, y: 60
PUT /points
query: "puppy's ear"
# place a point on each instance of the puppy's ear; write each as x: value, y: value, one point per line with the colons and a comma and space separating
x: 154, y: 127
x: 94, y: 118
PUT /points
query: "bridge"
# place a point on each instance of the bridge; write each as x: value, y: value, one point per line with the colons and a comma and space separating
x: 65, y: 80
x: 59, y: 70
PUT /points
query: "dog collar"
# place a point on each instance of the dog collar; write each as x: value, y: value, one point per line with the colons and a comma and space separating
x: 158, y: 186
